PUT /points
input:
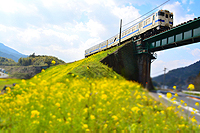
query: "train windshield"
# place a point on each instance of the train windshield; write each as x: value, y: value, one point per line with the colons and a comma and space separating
x: 171, y: 16
x: 161, y: 13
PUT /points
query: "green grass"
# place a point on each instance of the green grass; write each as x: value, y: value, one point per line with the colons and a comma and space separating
x: 8, y: 82
x: 85, y: 96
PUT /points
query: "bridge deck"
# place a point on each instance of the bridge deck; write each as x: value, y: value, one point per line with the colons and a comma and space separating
x: 184, y: 34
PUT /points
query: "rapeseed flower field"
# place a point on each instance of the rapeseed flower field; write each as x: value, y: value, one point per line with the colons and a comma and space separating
x: 85, y: 96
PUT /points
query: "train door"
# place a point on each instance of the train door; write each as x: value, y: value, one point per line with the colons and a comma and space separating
x: 140, y: 27
x: 107, y: 44
x: 167, y: 19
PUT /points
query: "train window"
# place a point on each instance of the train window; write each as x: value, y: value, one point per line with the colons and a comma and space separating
x: 144, y: 22
x: 153, y: 17
x: 171, y: 16
x: 166, y: 15
x: 161, y: 13
x: 137, y: 27
x: 156, y: 14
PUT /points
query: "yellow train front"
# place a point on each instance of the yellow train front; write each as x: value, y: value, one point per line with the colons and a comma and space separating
x: 151, y: 25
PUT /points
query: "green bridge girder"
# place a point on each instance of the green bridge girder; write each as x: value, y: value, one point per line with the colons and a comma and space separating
x: 178, y: 36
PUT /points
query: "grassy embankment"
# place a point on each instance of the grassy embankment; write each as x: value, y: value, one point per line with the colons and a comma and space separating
x: 85, y: 96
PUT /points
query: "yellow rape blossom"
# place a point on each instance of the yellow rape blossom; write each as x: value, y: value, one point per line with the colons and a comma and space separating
x: 87, y: 130
x: 53, y: 62
x: 8, y: 89
x: 138, y: 97
x: 36, y: 122
x: 115, y: 118
x: 174, y: 87
x: 58, y: 104
x: 105, y: 125
x: 197, y: 104
x: 104, y: 96
x: 162, y: 112
x: 92, y: 117
x: 173, y: 99
x: 191, y: 87
x: 193, y: 119
x: 135, y: 109
x: 35, y: 113
x: 59, y: 120
x: 192, y: 113
x: 169, y: 95
x: 85, y: 126
x: 123, y: 109
x: 182, y: 101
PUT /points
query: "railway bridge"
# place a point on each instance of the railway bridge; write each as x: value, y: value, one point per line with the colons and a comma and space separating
x: 133, y: 60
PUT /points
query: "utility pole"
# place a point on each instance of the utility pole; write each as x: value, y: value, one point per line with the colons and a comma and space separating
x: 120, y: 32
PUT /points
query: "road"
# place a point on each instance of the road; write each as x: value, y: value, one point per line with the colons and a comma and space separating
x: 3, y: 75
x: 188, y: 99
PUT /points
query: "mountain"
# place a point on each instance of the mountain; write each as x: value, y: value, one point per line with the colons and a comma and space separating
x: 10, y: 53
x: 180, y: 77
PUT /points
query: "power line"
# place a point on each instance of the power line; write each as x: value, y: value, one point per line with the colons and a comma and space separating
x: 147, y: 12
x: 157, y: 72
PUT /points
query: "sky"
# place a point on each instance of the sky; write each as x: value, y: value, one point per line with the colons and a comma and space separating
x: 66, y: 28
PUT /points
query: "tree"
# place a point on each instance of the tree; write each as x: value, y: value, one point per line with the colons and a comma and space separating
x: 32, y: 55
x: 48, y: 60
x: 197, y: 82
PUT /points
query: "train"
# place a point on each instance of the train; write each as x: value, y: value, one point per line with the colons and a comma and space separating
x: 155, y: 23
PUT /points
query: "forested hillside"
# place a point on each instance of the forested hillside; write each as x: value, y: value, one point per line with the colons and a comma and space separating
x: 40, y: 60
x: 180, y: 77
x: 7, y: 62
x: 197, y: 82
x: 27, y: 67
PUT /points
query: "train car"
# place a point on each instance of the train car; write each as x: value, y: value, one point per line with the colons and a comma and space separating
x: 151, y: 25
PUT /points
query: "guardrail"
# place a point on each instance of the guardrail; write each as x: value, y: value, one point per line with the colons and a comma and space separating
x: 194, y: 92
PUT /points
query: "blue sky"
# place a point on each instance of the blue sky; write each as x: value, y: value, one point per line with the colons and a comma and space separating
x: 65, y: 28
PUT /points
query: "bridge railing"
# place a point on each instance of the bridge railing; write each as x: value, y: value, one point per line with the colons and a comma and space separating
x: 181, y: 35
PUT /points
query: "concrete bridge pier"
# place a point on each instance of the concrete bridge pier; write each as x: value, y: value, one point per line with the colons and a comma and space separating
x: 144, y: 68
x: 133, y: 66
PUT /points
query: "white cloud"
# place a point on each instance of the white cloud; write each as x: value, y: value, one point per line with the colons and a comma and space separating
x: 160, y: 53
x: 29, y: 34
x: 191, y: 2
x: 60, y: 35
x: 126, y: 13
x: 184, y: 1
x: 95, y: 28
x: 12, y: 6
x: 90, y: 42
x: 196, y: 53
x: 92, y: 2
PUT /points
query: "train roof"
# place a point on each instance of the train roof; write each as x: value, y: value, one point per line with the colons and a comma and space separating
x: 132, y: 26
